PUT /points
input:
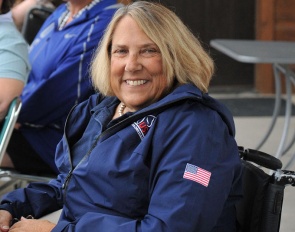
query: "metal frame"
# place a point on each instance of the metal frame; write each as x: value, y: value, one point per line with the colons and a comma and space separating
x: 7, y: 175
x: 8, y: 125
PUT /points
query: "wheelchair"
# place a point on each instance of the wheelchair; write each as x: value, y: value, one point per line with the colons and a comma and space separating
x: 261, y: 207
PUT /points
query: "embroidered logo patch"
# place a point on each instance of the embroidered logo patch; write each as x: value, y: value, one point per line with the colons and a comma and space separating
x: 142, y: 126
x: 197, y: 174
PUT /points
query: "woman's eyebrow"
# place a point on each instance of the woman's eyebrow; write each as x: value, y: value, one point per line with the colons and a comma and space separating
x: 140, y: 45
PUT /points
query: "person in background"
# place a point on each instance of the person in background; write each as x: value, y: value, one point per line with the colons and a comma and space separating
x: 21, y: 8
x: 60, y: 56
x: 14, y: 60
x: 152, y: 151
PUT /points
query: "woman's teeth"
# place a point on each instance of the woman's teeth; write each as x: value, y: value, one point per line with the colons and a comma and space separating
x: 135, y: 83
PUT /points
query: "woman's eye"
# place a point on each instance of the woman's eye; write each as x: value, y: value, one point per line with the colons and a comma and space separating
x: 120, y: 52
x: 149, y: 52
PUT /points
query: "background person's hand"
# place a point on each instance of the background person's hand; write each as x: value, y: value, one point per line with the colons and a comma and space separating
x: 5, y: 219
x: 32, y: 225
x: 17, y: 126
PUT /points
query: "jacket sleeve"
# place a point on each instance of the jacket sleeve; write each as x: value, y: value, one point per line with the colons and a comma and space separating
x: 37, y: 199
x: 179, y: 203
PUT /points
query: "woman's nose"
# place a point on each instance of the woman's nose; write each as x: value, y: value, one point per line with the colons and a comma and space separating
x: 133, y: 64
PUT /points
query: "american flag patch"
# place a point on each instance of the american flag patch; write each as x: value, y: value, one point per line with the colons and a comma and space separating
x: 199, y: 175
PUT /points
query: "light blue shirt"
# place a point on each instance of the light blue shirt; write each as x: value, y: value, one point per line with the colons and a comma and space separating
x: 14, y: 60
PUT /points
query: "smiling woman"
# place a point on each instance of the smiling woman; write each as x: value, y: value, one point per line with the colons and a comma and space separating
x: 152, y: 151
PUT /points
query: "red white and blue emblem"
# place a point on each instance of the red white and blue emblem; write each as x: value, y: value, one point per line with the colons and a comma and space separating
x: 142, y: 126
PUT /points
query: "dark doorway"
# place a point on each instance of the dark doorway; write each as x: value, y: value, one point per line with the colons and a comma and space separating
x: 212, y: 19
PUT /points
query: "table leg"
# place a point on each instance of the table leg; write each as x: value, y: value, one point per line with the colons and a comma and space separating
x: 287, y: 74
x: 277, y: 107
x: 291, y: 76
x: 292, y: 79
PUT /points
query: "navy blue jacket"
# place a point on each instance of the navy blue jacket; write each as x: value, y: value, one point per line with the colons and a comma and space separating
x: 172, y: 166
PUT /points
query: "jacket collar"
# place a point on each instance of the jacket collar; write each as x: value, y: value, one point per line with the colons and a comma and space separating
x: 181, y: 93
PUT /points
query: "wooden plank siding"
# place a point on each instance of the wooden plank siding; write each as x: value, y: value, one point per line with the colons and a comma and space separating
x: 223, y: 19
x: 275, y: 20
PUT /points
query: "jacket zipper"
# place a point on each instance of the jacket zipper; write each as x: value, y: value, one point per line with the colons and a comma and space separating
x: 68, y: 177
x: 65, y: 184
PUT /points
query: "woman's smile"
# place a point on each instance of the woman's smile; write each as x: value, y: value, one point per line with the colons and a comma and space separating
x: 135, y: 82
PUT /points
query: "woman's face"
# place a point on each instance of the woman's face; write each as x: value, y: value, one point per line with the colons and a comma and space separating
x: 136, y: 66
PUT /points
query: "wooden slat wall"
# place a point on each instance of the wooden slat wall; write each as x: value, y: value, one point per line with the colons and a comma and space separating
x: 264, y: 31
x: 275, y: 20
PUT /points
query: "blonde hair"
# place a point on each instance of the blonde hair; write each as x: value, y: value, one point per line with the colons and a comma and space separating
x: 184, y: 59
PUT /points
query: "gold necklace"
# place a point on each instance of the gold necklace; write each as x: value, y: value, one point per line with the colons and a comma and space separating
x: 121, y: 108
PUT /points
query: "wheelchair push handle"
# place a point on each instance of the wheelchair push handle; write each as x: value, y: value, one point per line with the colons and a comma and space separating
x: 260, y: 158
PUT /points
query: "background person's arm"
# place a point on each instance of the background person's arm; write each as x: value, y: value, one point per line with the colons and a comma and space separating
x: 9, y: 89
x: 20, y: 10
